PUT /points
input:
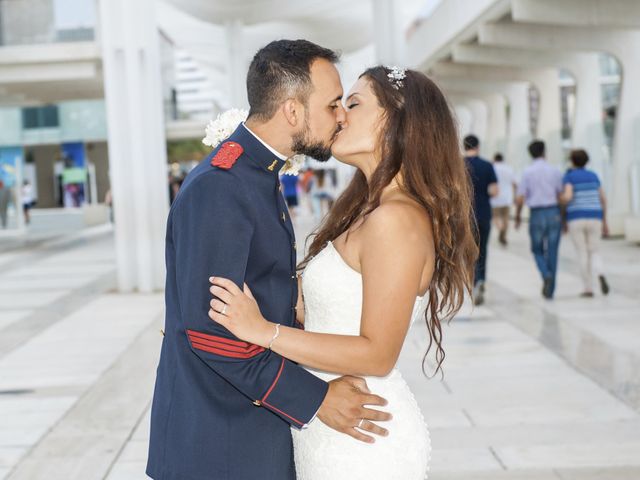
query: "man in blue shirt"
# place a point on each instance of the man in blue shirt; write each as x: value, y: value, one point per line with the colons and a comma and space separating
x: 539, y: 188
x: 485, y: 186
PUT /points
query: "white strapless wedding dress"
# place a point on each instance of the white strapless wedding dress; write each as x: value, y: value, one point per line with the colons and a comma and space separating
x: 333, y: 304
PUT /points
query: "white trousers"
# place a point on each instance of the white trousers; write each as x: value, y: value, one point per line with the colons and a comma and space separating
x: 585, y: 234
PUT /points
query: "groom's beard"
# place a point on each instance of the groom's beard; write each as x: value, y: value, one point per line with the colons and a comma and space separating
x: 303, y: 144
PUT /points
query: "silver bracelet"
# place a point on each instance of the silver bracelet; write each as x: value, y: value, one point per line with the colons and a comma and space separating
x: 275, y: 336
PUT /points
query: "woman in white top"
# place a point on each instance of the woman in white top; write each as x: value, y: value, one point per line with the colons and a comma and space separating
x: 501, y: 203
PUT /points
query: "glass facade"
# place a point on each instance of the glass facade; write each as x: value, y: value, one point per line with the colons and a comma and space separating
x: 30, y: 22
x: 40, y: 117
x: 78, y: 120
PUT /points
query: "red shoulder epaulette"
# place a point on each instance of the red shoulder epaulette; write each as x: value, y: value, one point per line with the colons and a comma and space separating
x: 227, y: 155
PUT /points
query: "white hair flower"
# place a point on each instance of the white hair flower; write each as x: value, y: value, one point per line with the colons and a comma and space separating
x: 396, y: 76
x: 223, y: 126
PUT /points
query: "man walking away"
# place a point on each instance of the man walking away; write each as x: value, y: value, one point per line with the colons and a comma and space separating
x: 485, y: 185
x: 540, y: 188
x: 501, y: 203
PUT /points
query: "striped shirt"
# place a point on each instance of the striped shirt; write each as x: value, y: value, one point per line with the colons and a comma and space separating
x: 586, y: 194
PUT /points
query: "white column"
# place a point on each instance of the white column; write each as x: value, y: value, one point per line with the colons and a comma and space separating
x: 137, y: 147
x: 497, y: 127
x: 550, y: 119
x: 237, y: 64
x: 587, y: 131
x: 626, y: 143
x: 519, y: 132
x: 624, y: 44
x: 389, y: 41
x: 479, y: 121
x: 464, y: 118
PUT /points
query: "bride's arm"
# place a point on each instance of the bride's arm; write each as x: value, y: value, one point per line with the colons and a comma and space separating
x: 392, y: 258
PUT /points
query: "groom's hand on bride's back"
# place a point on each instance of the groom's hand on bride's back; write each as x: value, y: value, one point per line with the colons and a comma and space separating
x: 344, y: 409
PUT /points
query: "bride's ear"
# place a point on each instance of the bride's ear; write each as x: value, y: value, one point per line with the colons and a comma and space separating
x: 292, y: 110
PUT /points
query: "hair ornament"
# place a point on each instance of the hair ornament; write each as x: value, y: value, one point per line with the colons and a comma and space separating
x: 396, y: 76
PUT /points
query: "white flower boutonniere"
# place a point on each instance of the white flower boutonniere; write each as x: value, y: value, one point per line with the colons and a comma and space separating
x: 293, y: 165
x: 223, y: 126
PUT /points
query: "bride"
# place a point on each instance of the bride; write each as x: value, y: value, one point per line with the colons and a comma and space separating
x: 397, y: 246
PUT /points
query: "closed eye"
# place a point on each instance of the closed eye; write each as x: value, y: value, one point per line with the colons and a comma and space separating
x: 353, y: 105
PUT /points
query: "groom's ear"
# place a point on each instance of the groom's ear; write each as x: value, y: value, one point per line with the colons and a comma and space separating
x: 292, y: 110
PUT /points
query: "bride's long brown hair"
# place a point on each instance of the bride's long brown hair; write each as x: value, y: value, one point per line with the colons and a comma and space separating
x: 419, y: 141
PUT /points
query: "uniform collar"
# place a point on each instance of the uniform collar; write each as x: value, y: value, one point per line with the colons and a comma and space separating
x: 271, y: 149
x: 264, y: 156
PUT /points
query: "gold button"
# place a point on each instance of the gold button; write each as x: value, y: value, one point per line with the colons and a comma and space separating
x: 257, y: 403
x: 162, y: 332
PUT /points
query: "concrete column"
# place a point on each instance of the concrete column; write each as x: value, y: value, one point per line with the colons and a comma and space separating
x: 479, y: 121
x: 587, y: 131
x: 550, y: 119
x: 587, y: 126
x: 389, y: 41
x: 465, y: 119
x: 497, y: 127
x: 519, y: 132
x: 626, y: 143
x: 137, y: 147
x: 237, y: 64
x: 624, y: 44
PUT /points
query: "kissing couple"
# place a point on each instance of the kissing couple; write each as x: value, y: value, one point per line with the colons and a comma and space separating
x: 274, y: 370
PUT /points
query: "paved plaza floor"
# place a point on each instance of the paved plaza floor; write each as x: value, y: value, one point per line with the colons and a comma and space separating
x: 532, y: 389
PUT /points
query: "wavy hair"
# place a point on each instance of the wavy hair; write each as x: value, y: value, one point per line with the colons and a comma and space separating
x: 419, y: 141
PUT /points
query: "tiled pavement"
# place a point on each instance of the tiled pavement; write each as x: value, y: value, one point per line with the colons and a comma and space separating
x: 532, y: 389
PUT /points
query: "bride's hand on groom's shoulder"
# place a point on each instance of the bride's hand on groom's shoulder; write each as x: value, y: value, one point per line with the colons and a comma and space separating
x: 343, y: 409
x: 238, y: 311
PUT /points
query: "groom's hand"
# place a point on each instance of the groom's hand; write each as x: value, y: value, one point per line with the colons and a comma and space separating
x: 344, y: 409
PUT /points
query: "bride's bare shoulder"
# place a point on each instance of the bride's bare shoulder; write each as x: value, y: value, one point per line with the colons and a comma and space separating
x: 400, y: 219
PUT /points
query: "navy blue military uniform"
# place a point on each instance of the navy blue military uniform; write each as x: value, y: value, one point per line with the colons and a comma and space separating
x: 222, y: 408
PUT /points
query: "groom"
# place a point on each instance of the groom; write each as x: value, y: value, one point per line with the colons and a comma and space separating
x: 222, y: 408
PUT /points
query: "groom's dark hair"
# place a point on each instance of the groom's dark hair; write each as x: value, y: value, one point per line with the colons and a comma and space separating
x: 282, y: 70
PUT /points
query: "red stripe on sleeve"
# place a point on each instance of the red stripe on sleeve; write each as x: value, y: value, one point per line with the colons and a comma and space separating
x: 274, y: 382
x: 282, y: 413
x: 226, y: 353
x: 215, y: 338
x: 225, y: 346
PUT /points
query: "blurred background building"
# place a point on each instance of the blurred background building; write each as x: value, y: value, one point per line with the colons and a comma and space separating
x: 513, y: 69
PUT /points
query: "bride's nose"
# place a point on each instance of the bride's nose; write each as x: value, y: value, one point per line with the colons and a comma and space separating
x: 341, y: 114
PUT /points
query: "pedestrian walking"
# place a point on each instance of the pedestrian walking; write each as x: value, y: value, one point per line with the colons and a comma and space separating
x: 540, y: 188
x: 501, y: 203
x: 586, y: 202
x: 485, y: 186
